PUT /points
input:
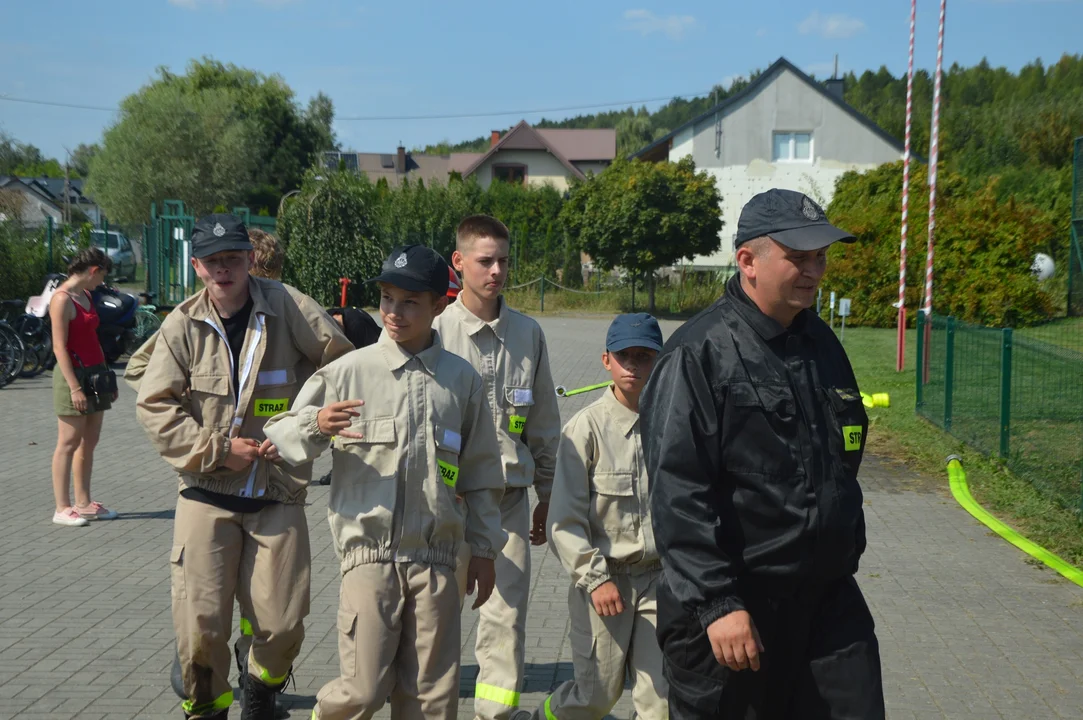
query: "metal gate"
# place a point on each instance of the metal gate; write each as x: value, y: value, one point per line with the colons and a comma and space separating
x: 167, y: 238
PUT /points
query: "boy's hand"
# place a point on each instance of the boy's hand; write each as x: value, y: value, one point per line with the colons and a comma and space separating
x: 336, y: 417
x: 606, y: 599
x: 537, y: 533
x: 480, y: 573
x: 268, y: 451
x: 242, y: 453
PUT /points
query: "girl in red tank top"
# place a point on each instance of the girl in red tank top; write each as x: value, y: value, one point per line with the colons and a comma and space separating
x: 79, y: 418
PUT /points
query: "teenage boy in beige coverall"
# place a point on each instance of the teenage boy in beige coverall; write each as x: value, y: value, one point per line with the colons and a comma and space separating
x: 226, y: 360
x: 508, y: 349
x: 412, y: 433
x: 600, y: 528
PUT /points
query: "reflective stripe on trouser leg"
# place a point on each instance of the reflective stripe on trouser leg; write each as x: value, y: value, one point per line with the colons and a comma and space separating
x: 603, y: 649
x: 501, y: 631
x: 203, y: 565
x: 273, y: 588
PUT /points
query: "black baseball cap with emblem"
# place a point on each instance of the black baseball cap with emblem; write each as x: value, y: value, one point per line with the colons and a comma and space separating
x: 415, y: 268
x: 790, y: 218
x: 218, y: 233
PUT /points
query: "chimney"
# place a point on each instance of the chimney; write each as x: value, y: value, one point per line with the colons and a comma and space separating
x: 494, y: 139
x: 835, y: 87
x: 400, y: 161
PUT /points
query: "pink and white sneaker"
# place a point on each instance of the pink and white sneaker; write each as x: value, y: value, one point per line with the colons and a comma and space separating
x: 95, y: 511
x: 69, y: 517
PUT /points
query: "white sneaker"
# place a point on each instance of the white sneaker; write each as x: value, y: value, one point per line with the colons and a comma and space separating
x: 70, y: 518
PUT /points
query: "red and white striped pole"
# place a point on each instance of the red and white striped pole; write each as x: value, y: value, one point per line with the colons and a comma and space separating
x: 901, y: 345
x: 934, y: 152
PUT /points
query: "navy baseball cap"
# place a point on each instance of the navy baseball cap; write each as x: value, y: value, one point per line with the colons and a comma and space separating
x: 415, y: 268
x: 218, y: 233
x: 790, y: 218
x: 633, y: 330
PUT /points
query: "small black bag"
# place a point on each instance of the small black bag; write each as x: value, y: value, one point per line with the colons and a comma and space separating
x: 102, y: 383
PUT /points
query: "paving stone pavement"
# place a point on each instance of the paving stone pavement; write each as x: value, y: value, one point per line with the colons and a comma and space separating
x: 968, y: 627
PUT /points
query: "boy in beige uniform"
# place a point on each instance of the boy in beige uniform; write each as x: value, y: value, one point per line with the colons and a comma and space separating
x: 412, y: 433
x: 224, y: 361
x: 509, y: 351
x: 600, y: 528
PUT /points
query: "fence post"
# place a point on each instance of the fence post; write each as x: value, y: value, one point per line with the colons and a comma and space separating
x: 543, y: 293
x: 1005, y: 390
x: 49, y: 244
x: 919, y: 399
x: 949, y: 371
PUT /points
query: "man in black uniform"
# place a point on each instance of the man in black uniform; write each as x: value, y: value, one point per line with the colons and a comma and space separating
x: 754, y: 430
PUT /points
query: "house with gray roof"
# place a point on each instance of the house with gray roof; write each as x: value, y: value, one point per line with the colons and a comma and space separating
x: 784, y: 130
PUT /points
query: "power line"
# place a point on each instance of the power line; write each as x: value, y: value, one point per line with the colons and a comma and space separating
x: 8, y: 98
x: 384, y: 118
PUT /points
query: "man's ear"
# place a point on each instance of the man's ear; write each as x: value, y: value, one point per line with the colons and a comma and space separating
x: 439, y: 304
x: 746, y: 261
x: 605, y: 360
x: 457, y: 260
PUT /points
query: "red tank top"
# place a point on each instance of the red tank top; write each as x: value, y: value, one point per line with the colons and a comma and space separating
x: 83, y: 345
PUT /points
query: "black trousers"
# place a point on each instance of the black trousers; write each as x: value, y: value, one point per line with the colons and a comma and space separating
x: 820, y: 660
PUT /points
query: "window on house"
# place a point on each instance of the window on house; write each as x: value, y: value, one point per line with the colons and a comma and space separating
x: 792, y: 147
x: 510, y: 173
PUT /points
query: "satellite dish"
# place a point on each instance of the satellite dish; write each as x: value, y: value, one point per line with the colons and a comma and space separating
x: 1043, y: 266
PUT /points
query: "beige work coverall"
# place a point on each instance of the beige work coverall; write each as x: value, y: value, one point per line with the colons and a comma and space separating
x: 397, y: 520
x: 510, y: 353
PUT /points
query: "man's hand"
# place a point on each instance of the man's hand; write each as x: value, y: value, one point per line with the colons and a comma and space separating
x: 336, y: 417
x: 537, y: 533
x: 735, y: 641
x: 242, y: 453
x: 606, y: 599
x: 481, y: 573
x: 268, y: 451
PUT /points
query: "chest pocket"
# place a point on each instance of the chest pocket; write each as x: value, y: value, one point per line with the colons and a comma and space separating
x: 849, y: 423
x: 378, y: 446
x: 518, y: 399
x: 761, y: 434
x: 212, y: 402
x: 275, y: 390
x: 449, y: 443
x: 614, y: 505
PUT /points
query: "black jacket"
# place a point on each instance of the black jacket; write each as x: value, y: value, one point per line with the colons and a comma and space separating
x: 753, y: 435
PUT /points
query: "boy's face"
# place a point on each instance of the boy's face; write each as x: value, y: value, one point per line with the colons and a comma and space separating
x: 630, y: 367
x: 225, y: 274
x: 407, y: 315
x: 483, y: 267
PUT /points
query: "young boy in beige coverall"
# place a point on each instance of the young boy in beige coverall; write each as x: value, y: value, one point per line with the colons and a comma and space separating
x: 600, y: 528
x: 412, y: 433
x: 224, y: 361
x: 508, y: 349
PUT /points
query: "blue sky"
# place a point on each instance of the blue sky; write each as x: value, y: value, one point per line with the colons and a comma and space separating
x: 444, y: 58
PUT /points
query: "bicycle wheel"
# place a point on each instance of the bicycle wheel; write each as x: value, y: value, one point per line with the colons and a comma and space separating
x: 146, y: 324
x: 7, y: 352
x: 35, y: 338
x: 17, y: 354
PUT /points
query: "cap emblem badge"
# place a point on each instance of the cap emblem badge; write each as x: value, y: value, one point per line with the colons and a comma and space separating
x: 219, y: 231
x: 400, y: 261
x: 809, y: 210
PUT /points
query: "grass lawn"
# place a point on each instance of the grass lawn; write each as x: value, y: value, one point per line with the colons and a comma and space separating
x: 899, y: 433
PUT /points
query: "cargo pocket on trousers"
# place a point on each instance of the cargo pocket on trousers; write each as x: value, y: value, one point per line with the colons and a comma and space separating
x: 176, y: 572
x: 583, y: 660
x: 347, y: 642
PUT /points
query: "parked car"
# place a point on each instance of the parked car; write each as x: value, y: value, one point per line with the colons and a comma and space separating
x: 120, y: 252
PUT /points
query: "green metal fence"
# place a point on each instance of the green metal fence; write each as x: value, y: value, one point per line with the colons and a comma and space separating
x: 1009, y: 394
x: 1075, y: 256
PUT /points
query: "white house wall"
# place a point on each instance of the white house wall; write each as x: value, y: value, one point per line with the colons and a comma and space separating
x: 541, y: 168
x: 840, y: 142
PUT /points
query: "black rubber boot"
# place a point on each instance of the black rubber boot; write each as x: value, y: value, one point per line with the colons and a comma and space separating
x: 260, y: 701
x: 243, y: 678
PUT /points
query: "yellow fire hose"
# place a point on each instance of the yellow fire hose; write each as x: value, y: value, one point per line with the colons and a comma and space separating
x: 564, y: 392
x: 961, y: 491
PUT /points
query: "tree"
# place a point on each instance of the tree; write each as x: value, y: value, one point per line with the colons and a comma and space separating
x: 170, y: 143
x: 81, y: 157
x: 256, y: 115
x: 643, y: 216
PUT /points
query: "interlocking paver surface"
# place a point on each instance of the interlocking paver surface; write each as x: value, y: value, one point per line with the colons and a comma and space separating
x: 968, y: 628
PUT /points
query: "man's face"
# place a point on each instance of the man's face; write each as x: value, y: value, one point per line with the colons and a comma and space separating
x: 630, y: 367
x: 225, y: 274
x: 483, y: 267
x: 788, y: 278
x: 407, y: 315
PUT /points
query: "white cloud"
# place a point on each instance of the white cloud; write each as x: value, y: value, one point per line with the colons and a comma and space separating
x: 645, y: 23
x: 831, y: 26
x: 275, y: 3
x: 195, y: 4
